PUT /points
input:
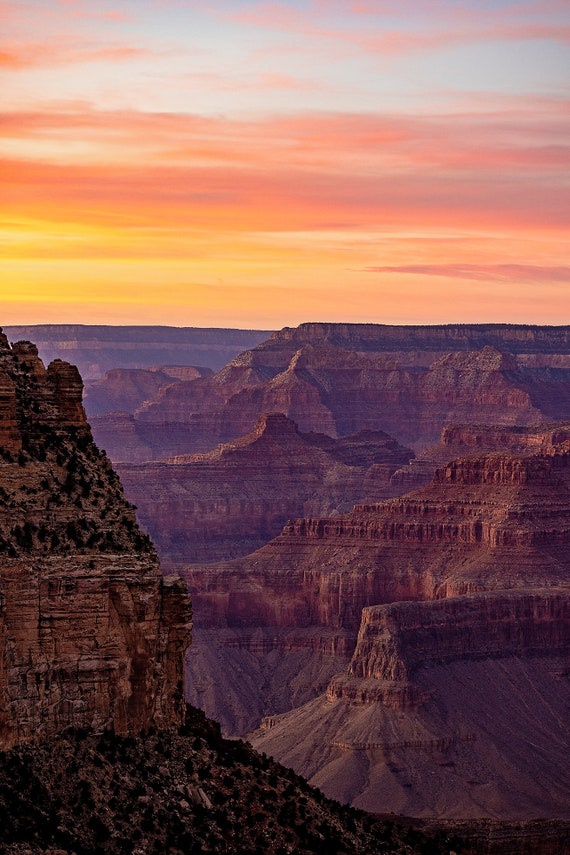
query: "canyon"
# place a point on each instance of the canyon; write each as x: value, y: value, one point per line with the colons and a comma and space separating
x: 98, y: 750
x: 402, y: 642
x: 341, y: 379
x: 230, y: 501
x: 407, y: 644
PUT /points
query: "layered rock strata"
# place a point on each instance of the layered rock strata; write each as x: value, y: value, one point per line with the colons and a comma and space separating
x: 232, y: 500
x: 340, y: 379
x: 461, y: 440
x: 450, y: 708
x: 91, y: 634
x: 490, y: 523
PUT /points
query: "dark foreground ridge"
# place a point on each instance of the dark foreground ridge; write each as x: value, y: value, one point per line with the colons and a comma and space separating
x: 184, y: 790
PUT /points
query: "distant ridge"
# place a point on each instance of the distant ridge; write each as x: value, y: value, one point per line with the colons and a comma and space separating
x: 96, y: 348
x: 429, y: 337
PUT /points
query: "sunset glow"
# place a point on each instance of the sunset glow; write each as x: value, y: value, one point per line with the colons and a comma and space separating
x: 261, y: 164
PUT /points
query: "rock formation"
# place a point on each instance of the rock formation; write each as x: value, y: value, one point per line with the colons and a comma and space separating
x: 341, y: 379
x: 460, y: 440
x: 454, y: 708
x: 231, y: 501
x: 91, y: 634
x: 96, y: 349
x: 457, y: 559
x: 126, y: 389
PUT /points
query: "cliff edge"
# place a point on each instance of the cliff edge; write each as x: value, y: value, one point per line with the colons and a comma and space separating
x: 91, y: 635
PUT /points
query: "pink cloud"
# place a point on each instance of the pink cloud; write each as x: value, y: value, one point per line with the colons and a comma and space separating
x: 69, y: 51
x: 482, y: 272
x: 520, y: 142
x: 373, y: 28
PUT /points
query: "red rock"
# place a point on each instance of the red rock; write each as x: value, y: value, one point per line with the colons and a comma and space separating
x: 232, y: 500
x: 91, y: 634
x: 449, y: 708
x: 493, y: 522
x: 341, y: 379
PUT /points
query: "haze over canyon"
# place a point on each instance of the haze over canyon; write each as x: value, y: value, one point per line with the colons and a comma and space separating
x: 373, y: 524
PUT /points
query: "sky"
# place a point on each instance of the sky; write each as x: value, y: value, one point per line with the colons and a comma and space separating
x: 262, y: 164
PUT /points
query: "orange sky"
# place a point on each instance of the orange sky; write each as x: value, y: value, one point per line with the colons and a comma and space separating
x: 265, y: 164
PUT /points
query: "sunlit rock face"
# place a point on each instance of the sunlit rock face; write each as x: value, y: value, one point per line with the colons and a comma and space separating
x: 384, y: 639
x: 91, y: 635
x: 340, y: 379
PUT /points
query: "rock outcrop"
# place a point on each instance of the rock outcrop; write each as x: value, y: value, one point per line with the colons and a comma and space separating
x: 232, y: 500
x: 91, y: 634
x: 453, y: 708
x: 461, y: 440
x: 341, y: 379
x: 485, y: 523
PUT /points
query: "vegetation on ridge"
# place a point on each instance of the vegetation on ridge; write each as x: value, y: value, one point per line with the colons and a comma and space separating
x: 186, y: 791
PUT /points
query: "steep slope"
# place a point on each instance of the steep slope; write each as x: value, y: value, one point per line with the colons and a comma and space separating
x: 454, y: 708
x: 91, y: 634
x: 178, y: 791
x: 484, y: 523
x: 231, y: 501
x: 340, y: 379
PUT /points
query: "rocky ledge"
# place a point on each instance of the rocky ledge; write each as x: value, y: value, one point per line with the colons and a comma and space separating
x: 91, y: 634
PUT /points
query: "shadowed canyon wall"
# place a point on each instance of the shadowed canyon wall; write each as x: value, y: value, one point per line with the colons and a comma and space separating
x: 92, y: 635
x: 341, y: 379
x: 475, y: 566
x: 232, y: 500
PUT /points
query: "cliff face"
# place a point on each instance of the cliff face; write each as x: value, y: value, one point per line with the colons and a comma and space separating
x: 341, y: 379
x: 395, y: 641
x: 92, y: 636
x: 461, y: 440
x: 485, y: 523
x: 231, y: 501
x: 453, y: 708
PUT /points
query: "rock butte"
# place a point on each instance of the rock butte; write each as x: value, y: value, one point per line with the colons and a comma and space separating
x: 91, y: 634
x: 340, y: 379
x: 230, y: 501
x: 384, y: 629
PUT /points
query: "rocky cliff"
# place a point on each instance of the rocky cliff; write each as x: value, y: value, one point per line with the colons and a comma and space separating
x: 461, y: 440
x: 92, y: 635
x: 493, y: 522
x: 452, y: 708
x: 231, y: 501
x: 341, y: 379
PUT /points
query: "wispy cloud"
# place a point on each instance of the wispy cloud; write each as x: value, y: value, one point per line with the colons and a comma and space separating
x: 391, y: 29
x: 21, y: 56
x: 514, y: 273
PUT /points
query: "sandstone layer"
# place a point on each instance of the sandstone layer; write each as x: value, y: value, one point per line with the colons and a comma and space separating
x: 341, y: 379
x: 454, y: 708
x: 231, y: 501
x: 485, y: 523
x: 91, y: 634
